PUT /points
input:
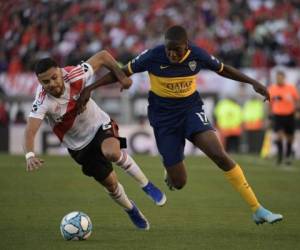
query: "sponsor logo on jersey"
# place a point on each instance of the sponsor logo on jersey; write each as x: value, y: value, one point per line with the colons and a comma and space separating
x: 35, y: 107
x: 164, y: 66
x: 85, y: 67
x: 75, y: 97
x: 180, y: 87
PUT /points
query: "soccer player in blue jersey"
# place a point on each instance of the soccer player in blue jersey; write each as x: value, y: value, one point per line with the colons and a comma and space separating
x: 176, y: 111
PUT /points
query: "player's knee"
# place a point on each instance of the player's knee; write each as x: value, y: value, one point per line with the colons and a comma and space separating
x: 112, y: 155
x: 179, y: 183
x: 111, y: 149
x: 177, y: 176
x: 178, y: 187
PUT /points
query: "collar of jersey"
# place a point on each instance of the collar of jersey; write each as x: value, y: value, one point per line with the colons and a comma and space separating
x: 185, y: 56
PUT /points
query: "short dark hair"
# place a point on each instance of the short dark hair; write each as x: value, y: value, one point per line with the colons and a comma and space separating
x: 44, y: 64
x: 176, y: 33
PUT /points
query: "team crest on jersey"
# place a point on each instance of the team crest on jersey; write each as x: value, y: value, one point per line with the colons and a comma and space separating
x: 192, y: 65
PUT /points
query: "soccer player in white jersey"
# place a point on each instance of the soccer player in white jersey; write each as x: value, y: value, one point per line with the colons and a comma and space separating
x: 90, y: 137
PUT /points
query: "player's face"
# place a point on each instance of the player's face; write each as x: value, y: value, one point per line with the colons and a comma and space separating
x: 52, y: 81
x: 175, y: 50
x: 280, y: 78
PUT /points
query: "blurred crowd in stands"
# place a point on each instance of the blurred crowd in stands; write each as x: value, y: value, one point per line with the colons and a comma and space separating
x: 243, y: 33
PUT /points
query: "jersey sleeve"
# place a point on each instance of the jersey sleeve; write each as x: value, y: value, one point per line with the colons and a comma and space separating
x: 209, y: 61
x: 39, y: 106
x: 140, y: 63
x: 82, y: 73
x: 88, y: 73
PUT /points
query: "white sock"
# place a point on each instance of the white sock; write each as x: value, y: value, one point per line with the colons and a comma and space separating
x: 120, y: 197
x: 130, y: 167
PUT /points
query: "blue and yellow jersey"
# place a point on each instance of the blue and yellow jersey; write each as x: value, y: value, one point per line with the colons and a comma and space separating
x: 174, y: 80
x: 173, y: 85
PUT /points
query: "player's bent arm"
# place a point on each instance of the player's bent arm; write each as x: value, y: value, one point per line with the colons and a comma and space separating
x: 234, y: 74
x: 103, y: 58
x: 32, y: 127
x: 109, y: 78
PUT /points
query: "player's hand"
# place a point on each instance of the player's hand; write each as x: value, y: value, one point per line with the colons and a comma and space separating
x: 33, y: 163
x: 126, y: 82
x: 82, y: 100
x: 261, y: 89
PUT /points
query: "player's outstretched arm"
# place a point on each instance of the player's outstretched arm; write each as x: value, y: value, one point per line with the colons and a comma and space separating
x: 105, y: 80
x: 32, y: 162
x: 103, y: 58
x: 235, y: 74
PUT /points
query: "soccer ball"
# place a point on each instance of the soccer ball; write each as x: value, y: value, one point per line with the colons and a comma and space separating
x: 76, y: 226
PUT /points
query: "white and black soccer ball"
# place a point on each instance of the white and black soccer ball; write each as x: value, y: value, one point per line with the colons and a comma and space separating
x: 76, y: 226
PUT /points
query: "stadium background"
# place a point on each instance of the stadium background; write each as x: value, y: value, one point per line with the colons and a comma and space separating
x: 256, y: 36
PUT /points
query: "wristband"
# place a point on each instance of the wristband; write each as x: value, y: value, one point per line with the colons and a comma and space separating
x: 29, y: 155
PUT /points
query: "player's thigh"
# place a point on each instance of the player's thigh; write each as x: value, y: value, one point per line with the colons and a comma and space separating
x: 92, y: 161
x: 97, y: 167
x: 210, y: 144
x: 93, y: 164
x: 196, y: 121
x: 170, y: 143
x: 107, y: 141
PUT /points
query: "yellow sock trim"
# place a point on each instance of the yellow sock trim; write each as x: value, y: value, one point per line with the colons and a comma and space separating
x: 237, y: 179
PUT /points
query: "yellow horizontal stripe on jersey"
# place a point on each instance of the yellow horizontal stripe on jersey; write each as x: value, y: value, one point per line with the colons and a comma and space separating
x: 173, y: 87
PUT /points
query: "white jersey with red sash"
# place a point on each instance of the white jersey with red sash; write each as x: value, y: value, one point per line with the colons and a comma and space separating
x: 74, y: 131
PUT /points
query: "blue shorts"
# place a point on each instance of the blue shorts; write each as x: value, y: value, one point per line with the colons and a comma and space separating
x: 172, y: 126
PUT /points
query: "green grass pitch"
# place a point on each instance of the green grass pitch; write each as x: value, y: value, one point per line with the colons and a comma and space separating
x: 206, y: 214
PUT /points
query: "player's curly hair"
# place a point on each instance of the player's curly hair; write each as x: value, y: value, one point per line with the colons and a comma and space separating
x: 176, y: 33
x: 44, y: 64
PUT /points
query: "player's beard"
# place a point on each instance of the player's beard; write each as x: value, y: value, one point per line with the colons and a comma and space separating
x: 57, y: 91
